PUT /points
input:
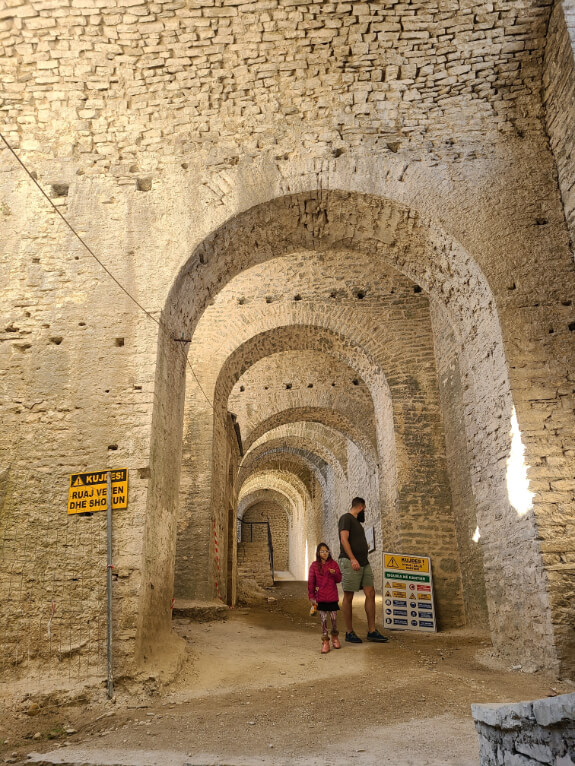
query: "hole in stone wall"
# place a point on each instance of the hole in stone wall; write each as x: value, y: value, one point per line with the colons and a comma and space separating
x: 288, y: 386
x: 107, y: 391
x: 144, y: 184
x: 60, y: 190
x: 333, y: 385
x: 571, y: 326
x: 56, y: 340
x: 35, y: 260
x: 297, y: 297
x: 417, y: 289
x: 310, y: 385
x: 185, y: 165
x: 11, y: 328
x: 119, y: 342
x: 81, y: 324
x: 137, y: 388
x: 241, y: 301
x: 266, y: 388
x: 360, y: 295
x: 541, y: 221
x: 333, y: 294
x: 355, y: 382
x: 338, y: 152
x: 512, y: 287
x: 566, y: 303
x: 113, y: 447
x: 268, y: 299
x: 27, y: 314
x: 242, y: 388
x: 144, y: 473
x: 551, y: 331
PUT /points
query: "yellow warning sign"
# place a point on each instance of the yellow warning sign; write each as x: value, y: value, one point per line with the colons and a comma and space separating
x: 410, y: 578
x: 88, y: 491
x: 406, y: 563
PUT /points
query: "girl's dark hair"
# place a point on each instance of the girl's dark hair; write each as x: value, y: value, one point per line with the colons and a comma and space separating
x: 318, y: 557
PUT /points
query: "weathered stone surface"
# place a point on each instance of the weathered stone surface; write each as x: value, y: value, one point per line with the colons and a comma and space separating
x: 542, y: 731
x: 370, y: 203
x: 554, y: 710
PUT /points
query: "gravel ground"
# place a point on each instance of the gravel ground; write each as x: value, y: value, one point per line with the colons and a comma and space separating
x: 255, y: 690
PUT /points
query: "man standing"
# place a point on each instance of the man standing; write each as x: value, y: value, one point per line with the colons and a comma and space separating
x: 356, y: 571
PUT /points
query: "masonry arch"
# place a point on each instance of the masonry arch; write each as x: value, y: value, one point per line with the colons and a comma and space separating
x: 268, y: 511
x: 425, y: 253
x: 329, y: 501
x: 307, y: 448
x: 257, y: 495
x: 299, y: 502
x: 259, y: 347
x: 341, y: 345
x: 323, y: 415
x: 324, y: 441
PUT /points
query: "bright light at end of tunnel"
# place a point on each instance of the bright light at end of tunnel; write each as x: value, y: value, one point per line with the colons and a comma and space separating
x: 517, y: 484
x: 476, y: 535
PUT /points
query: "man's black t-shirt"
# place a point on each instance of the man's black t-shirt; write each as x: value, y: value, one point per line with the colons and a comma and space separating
x: 357, y: 539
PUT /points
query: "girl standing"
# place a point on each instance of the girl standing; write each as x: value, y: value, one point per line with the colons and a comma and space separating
x: 324, y: 576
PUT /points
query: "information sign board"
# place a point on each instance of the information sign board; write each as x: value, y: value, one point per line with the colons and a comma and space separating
x: 408, y: 593
x: 88, y: 491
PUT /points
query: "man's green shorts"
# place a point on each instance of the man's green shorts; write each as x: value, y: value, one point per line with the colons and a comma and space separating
x: 352, y: 580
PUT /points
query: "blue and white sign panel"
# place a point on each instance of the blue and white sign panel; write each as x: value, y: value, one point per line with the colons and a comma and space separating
x: 408, y: 593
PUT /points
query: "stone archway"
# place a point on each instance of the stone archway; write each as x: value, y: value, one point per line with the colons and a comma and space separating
x: 426, y: 254
x: 294, y: 492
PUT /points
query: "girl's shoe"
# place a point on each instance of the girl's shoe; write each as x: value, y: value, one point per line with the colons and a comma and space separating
x: 324, y: 644
x: 335, y: 641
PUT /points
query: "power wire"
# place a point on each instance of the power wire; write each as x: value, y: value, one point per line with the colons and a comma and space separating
x: 103, y: 266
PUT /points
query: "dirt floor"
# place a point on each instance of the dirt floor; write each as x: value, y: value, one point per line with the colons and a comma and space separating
x: 255, y: 690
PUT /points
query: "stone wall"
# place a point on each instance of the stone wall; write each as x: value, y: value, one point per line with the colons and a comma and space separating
x: 124, y: 82
x: 457, y: 460
x: 523, y: 733
x: 278, y: 521
x: 559, y: 100
x: 192, y: 143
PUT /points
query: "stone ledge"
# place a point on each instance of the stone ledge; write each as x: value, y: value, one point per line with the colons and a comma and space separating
x: 200, y: 611
x: 523, y: 733
x: 545, y: 712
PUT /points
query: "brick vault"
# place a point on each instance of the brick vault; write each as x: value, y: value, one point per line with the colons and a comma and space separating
x: 341, y: 242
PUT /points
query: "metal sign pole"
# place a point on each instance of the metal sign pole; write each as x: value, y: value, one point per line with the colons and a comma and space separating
x: 109, y: 569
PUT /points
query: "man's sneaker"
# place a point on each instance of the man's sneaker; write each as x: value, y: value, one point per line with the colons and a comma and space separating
x: 375, y: 635
x: 352, y: 638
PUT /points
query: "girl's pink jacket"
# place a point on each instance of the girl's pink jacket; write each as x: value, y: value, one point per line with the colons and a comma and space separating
x: 321, y: 584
